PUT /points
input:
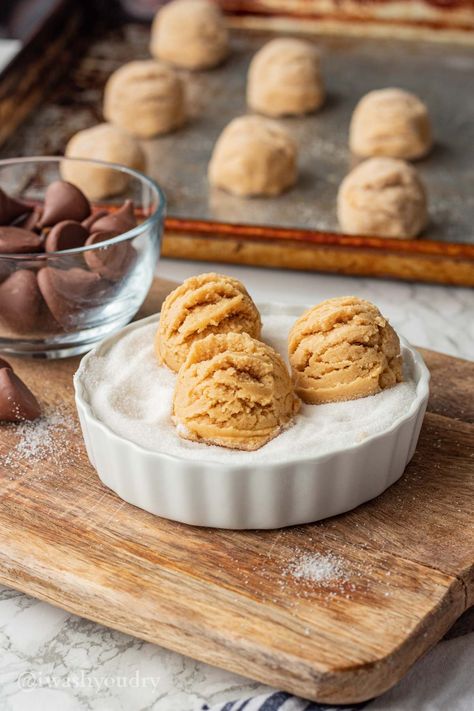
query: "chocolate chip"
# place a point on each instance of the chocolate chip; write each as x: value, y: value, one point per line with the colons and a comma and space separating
x: 17, y: 402
x: 120, y: 221
x: 66, y: 235
x: 70, y: 292
x: 4, y: 364
x: 111, y: 262
x: 15, y: 240
x: 10, y: 208
x: 89, y: 221
x: 20, y: 300
x: 63, y: 201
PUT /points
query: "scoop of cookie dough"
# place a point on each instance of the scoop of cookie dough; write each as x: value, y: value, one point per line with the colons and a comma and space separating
x: 284, y: 78
x: 253, y: 156
x: 145, y: 98
x: 390, y: 122
x: 103, y: 142
x: 343, y: 349
x: 202, y: 305
x: 233, y: 391
x: 383, y: 197
x: 190, y: 34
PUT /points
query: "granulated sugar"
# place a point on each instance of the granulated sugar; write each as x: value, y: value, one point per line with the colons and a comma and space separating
x: 133, y: 395
x: 47, y: 438
x: 318, y: 568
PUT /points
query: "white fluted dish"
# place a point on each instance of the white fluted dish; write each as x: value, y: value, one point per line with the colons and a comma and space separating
x: 258, y: 495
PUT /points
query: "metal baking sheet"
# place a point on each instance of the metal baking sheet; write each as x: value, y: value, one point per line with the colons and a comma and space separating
x: 441, y: 74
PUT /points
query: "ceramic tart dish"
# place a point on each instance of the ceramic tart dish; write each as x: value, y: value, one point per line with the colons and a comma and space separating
x: 239, y: 494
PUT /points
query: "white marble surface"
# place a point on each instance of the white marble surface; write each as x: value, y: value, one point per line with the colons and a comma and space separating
x: 53, y: 661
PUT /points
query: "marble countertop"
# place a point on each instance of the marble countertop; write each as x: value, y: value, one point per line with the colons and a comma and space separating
x: 51, y: 660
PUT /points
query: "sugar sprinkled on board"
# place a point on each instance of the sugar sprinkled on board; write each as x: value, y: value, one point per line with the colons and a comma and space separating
x: 49, y: 438
x: 318, y: 568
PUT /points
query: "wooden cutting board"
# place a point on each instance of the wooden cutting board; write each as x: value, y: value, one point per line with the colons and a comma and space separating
x: 227, y: 597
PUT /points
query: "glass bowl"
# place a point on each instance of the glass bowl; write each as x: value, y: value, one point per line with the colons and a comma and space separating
x: 83, y: 304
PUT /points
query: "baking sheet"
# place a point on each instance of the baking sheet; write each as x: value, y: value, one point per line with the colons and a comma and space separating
x: 442, y: 75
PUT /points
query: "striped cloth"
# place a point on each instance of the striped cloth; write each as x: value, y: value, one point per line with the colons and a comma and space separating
x: 277, y: 701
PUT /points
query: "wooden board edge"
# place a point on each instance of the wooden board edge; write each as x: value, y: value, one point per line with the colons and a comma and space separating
x: 289, y: 674
x: 31, y: 73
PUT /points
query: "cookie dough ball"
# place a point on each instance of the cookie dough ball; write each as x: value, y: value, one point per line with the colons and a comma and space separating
x: 145, y: 98
x: 233, y: 391
x: 284, y: 79
x: 190, y: 34
x: 390, y: 122
x: 383, y: 197
x: 102, y: 142
x: 253, y: 156
x: 343, y: 349
x: 203, y: 305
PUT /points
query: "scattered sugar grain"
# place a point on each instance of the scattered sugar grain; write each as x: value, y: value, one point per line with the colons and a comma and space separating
x: 318, y: 568
x: 46, y: 439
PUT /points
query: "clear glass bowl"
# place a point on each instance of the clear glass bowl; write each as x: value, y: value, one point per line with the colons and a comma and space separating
x: 88, y: 307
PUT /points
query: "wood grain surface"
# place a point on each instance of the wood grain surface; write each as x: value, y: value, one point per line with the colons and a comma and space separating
x: 227, y: 597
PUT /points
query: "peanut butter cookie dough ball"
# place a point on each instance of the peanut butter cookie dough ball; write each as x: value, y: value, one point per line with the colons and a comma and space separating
x: 383, y: 197
x: 390, y: 122
x: 102, y: 142
x: 343, y: 349
x: 203, y: 305
x: 145, y: 98
x: 284, y: 79
x: 190, y: 34
x: 253, y: 156
x: 233, y: 391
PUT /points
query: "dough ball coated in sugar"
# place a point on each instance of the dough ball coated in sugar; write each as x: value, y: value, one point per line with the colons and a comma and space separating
x: 390, y: 122
x: 190, y: 34
x: 343, y: 349
x: 233, y: 391
x: 383, y: 197
x: 103, y: 142
x: 145, y: 98
x: 284, y: 79
x: 203, y: 305
x: 253, y: 156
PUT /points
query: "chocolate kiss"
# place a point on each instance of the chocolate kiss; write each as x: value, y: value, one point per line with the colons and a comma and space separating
x: 121, y: 221
x: 66, y: 235
x: 20, y: 300
x: 4, y: 364
x: 10, y: 208
x: 63, y: 201
x: 15, y: 240
x: 70, y: 292
x: 89, y: 221
x: 17, y: 402
x: 110, y: 262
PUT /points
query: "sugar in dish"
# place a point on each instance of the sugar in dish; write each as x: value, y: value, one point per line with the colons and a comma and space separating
x: 132, y: 394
